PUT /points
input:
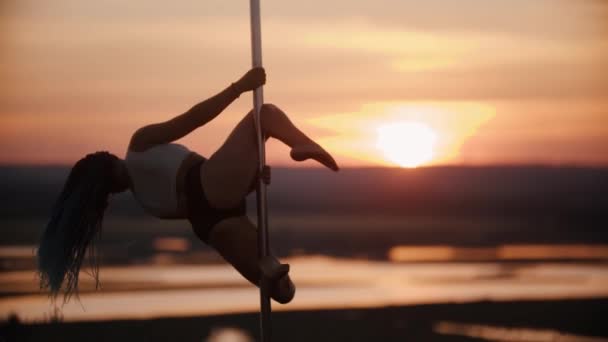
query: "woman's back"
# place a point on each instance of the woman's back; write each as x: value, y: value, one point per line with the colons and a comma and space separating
x: 153, y: 174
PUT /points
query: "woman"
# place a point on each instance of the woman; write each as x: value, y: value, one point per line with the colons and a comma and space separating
x: 170, y: 181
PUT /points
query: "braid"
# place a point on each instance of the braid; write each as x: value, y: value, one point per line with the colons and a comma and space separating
x: 75, y: 221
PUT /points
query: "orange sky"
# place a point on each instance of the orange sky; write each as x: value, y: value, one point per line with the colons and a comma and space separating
x: 497, y: 82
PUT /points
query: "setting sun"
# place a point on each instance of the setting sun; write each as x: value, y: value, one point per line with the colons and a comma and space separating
x: 409, y: 144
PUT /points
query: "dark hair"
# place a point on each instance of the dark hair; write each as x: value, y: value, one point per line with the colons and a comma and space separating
x: 75, y: 221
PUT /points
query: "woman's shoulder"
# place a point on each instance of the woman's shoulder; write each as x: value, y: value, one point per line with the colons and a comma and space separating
x: 137, y: 143
x: 164, y: 153
x: 170, y: 147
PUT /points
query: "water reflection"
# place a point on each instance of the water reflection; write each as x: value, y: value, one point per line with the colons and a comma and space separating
x: 228, y: 335
x: 500, y: 253
x: 496, y: 333
x: 179, y: 290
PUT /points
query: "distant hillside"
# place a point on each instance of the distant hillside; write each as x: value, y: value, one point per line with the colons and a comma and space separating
x: 357, y: 211
x: 566, y: 193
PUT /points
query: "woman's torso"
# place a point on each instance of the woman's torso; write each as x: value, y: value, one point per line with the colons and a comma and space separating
x: 158, y: 178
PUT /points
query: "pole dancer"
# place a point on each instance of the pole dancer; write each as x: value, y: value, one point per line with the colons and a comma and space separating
x: 172, y: 182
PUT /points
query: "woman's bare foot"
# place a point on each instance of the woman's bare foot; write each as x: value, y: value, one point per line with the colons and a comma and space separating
x: 313, y: 151
x: 283, y: 290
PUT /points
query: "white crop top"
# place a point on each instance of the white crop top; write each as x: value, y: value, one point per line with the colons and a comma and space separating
x: 153, y: 175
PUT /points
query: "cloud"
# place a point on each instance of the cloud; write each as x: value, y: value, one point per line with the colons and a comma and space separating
x: 355, y: 133
x: 134, y: 62
x: 547, y: 19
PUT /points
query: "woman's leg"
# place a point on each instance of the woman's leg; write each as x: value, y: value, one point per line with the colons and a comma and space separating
x: 236, y: 240
x: 228, y: 174
x: 227, y: 177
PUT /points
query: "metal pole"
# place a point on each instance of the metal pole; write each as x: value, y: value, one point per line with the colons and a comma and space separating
x: 263, y: 242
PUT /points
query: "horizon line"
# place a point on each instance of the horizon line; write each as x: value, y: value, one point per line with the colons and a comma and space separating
x: 422, y: 167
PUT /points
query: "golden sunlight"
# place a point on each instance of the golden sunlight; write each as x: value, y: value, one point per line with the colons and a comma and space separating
x: 408, y: 144
x: 359, y: 138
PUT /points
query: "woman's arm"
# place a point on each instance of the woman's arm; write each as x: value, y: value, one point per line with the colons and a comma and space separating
x: 197, y: 116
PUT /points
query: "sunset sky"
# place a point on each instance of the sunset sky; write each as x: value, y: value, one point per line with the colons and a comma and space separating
x: 490, y: 82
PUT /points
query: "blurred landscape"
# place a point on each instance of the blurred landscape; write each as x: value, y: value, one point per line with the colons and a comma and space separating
x: 364, y: 242
x: 318, y: 212
x: 449, y: 250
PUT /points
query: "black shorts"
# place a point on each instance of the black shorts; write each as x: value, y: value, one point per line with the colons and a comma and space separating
x: 201, y: 214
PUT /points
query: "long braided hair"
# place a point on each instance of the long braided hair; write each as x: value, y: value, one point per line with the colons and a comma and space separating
x: 75, y: 221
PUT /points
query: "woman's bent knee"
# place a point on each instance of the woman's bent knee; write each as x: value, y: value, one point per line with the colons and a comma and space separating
x: 269, y: 107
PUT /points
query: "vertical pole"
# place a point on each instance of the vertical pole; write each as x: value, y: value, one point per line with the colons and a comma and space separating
x: 263, y: 243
